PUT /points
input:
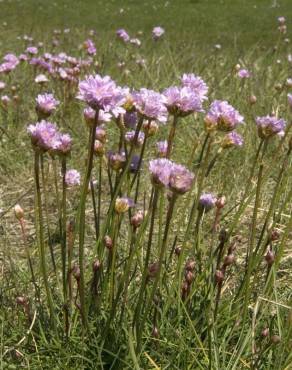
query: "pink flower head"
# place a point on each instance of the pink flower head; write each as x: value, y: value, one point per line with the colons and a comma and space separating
x: 32, y: 50
x: 222, y: 116
x: 123, y: 35
x: 232, y: 139
x: 281, y: 20
x: 207, y: 201
x: 182, y: 101
x: 90, y: 47
x: 162, y: 148
x: 243, y: 73
x: 150, y: 104
x: 102, y: 93
x: 61, y: 144
x: 72, y: 178
x: 196, y: 84
x: 2, y: 85
x: 46, y: 104
x: 41, y: 79
x: 269, y: 126
x: 89, y: 116
x: 43, y: 135
x: 157, y: 32
x: 129, y: 137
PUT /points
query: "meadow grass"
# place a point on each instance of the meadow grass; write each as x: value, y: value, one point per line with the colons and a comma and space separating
x: 242, y: 322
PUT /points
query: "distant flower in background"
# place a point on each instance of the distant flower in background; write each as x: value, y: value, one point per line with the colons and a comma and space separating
x: 46, y: 104
x: 157, y: 32
x: 2, y: 85
x: 89, y: 116
x: 123, y: 35
x: 196, y: 84
x: 243, y: 73
x: 32, y: 50
x: 90, y: 47
x: 41, y: 79
x: 269, y: 126
x: 129, y: 137
x: 135, y: 42
x: 72, y: 178
x: 207, y: 201
x: 222, y: 116
x: 182, y: 101
x: 232, y: 139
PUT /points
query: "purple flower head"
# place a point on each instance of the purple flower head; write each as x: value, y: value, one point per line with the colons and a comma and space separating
x: 116, y: 160
x: 129, y: 137
x: 11, y: 58
x: 23, y: 57
x: 123, y: 35
x: 150, y: 104
x: 32, y: 50
x: 100, y: 134
x: 135, y: 42
x: 123, y: 204
x: 61, y: 144
x: 157, y: 32
x: 72, y: 178
x: 2, y: 85
x: 207, y: 201
x: 181, y: 179
x: 162, y: 148
x: 232, y: 139
x: 182, y: 101
x: 290, y: 100
x: 160, y: 170
x: 90, y: 47
x: 243, y: 73
x: 43, y: 135
x: 196, y: 84
x: 89, y: 116
x: 222, y: 116
x: 102, y: 93
x: 46, y: 104
x: 269, y: 126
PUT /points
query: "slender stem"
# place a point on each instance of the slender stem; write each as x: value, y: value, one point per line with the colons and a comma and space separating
x: 81, y: 215
x: 171, y: 136
x: 41, y: 242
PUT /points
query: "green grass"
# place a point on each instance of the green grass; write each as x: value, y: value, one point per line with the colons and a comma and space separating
x: 248, y: 35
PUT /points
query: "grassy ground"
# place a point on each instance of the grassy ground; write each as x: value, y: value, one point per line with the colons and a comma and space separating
x: 247, y: 32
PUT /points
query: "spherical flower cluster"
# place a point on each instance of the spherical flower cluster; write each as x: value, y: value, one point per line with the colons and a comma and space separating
x: 45, y: 136
x: 182, y: 101
x: 46, y: 104
x: 89, y: 116
x: 269, y: 126
x: 72, y: 178
x: 150, y: 104
x: 222, y: 116
x: 243, y: 73
x: 90, y: 47
x: 130, y: 135
x: 41, y: 79
x: 123, y: 35
x: 32, y: 50
x: 157, y: 32
x: 162, y: 148
x: 196, y: 84
x: 232, y: 139
x: 207, y: 201
x: 165, y: 173
x: 123, y: 204
x: 116, y: 160
x: 102, y: 93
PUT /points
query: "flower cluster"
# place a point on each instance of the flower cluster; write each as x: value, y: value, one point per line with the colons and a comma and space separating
x: 157, y: 32
x: 222, y: 116
x: 269, y: 126
x: 46, y: 104
x: 150, y: 104
x: 165, y: 173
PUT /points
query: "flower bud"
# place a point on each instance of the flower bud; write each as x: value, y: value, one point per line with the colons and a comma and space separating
x: 150, y: 128
x: 18, y: 211
x: 220, y: 202
x: 275, y: 339
x: 108, y: 242
x: 252, y: 99
x: 270, y: 257
x: 237, y: 67
x: 155, y: 332
x: 229, y: 259
x: 274, y: 235
x: 190, y: 265
x: 21, y: 300
x: 265, y: 332
x: 123, y: 204
x: 153, y: 269
x: 219, y: 276
x: 99, y: 149
x: 189, y: 277
x: 223, y: 236
x: 96, y: 265
x: 177, y: 250
x: 137, y: 219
